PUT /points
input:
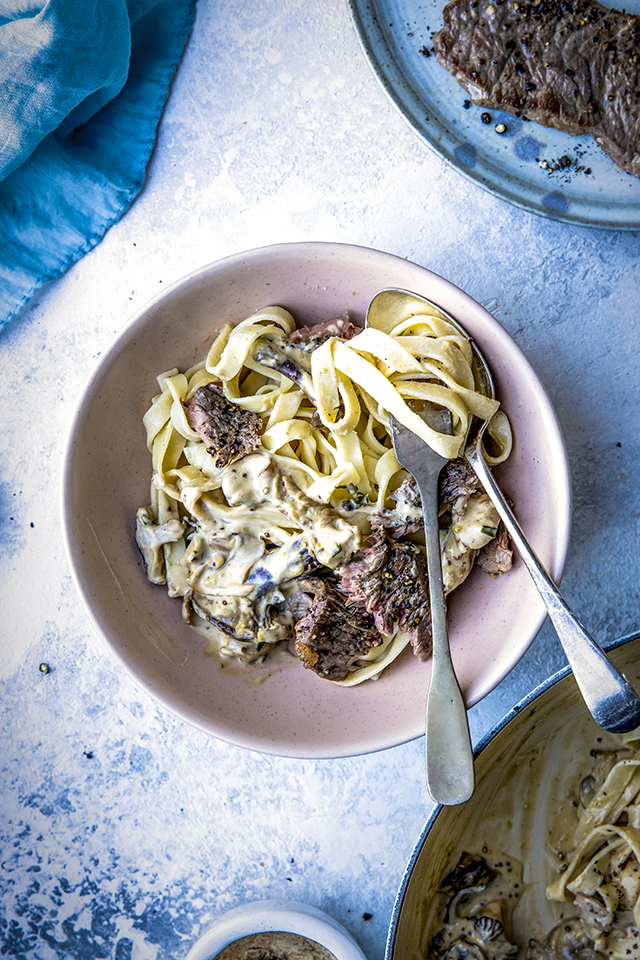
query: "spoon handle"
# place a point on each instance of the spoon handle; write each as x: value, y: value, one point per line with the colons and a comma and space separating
x: 611, y: 700
x: 448, y: 750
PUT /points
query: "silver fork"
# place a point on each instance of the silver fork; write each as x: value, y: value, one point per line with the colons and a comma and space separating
x: 448, y: 751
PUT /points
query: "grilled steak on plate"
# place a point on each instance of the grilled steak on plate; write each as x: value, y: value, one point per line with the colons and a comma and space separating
x: 569, y: 64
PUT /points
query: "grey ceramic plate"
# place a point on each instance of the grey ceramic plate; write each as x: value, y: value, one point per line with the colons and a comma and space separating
x: 395, y: 34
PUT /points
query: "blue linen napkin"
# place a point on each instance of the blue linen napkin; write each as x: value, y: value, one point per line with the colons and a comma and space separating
x: 82, y: 86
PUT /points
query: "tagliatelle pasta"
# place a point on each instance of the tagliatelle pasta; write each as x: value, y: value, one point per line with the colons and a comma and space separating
x: 232, y: 540
x: 594, y: 843
x: 602, y: 875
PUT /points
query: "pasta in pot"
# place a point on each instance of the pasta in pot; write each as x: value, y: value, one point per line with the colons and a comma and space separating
x: 601, y: 877
x: 233, y: 533
x: 597, y: 848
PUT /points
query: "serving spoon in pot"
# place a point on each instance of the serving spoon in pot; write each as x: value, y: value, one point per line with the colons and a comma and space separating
x: 609, y: 697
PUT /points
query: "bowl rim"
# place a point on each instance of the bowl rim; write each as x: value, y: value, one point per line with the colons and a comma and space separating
x: 112, y: 349
x: 482, y: 744
x: 282, y: 916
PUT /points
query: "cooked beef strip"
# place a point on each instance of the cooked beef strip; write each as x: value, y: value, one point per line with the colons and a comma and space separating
x: 458, y: 482
x: 227, y: 429
x: 391, y: 581
x: 406, y: 516
x: 457, y: 479
x: 568, y: 940
x: 407, y: 493
x: 299, y: 604
x: 308, y: 338
x: 332, y: 636
x: 569, y: 64
x: 496, y: 557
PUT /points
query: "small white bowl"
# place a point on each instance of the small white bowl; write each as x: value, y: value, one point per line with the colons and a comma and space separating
x: 107, y: 474
x: 276, y: 915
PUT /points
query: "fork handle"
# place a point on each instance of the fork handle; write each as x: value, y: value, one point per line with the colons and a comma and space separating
x: 610, y: 698
x: 448, y: 750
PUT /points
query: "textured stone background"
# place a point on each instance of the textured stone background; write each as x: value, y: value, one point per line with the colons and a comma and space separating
x: 123, y: 832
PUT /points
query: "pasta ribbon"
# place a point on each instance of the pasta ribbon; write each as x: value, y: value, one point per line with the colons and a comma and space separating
x: 233, y: 540
x: 605, y: 865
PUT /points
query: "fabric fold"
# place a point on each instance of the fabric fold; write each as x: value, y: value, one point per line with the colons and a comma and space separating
x: 82, y: 87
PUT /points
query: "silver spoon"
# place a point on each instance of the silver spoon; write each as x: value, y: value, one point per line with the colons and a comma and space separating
x: 610, y: 698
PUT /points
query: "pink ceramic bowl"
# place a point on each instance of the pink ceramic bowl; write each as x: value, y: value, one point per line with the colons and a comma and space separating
x: 107, y: 474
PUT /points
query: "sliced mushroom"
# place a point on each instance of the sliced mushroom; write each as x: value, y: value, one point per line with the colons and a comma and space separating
x: 470, y: 873
x: 596, y: 915
x: 289, y: 361
x: 537, y: 951
x: 569, y: 941
x: 487, y: 928
x: 474, y: 523
x: 463, y: 950
x: 150, y: 536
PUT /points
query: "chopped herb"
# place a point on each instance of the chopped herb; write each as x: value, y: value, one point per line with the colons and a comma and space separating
x: 357, y: 496
x: 489, y: 531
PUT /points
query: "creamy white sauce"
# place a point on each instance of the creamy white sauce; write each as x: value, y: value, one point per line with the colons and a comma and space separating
x: 253, y: 673
x: 474, y: 522
x: 253, y: 532
x: 254, y: 535
x: 478, y: 922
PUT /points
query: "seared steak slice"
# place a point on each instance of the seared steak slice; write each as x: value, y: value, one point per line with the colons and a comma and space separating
x: 391, y: 581
x: 569, y: 64
x: 308, y: 338
x: 407, y: 494
x: 457, y: 479
x: 331, y: 637
x: 228, y: 431
x: 496, y: 557
x: 406, y: 516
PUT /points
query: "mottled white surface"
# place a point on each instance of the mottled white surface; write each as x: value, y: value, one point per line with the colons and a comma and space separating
x: 123, y: 831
